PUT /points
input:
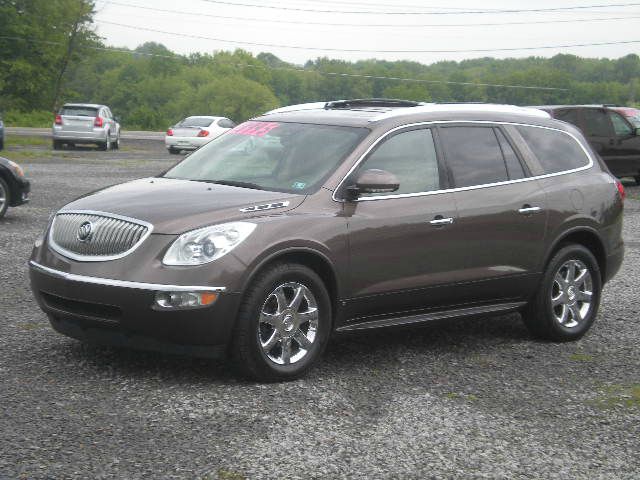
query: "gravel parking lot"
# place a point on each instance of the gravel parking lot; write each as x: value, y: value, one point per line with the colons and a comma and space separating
x: 459, y: 399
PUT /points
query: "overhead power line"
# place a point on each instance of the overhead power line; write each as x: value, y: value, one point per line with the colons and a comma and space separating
x: 303, y: 70
x: 356, y: 50
x: 376, y: 25
x: 459, y: 12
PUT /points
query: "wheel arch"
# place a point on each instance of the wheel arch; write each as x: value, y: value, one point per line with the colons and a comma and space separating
x: 309, y: 257
x: 587, y: 237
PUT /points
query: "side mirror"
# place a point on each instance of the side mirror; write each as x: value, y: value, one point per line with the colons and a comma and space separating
x: 373, y: 181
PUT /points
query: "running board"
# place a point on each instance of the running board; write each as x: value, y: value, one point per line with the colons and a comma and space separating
x: 428, y: 317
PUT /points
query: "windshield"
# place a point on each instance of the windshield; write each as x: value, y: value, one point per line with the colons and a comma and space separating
x: 79, y: 111
x: 196, y: 122
x: 282, y: 157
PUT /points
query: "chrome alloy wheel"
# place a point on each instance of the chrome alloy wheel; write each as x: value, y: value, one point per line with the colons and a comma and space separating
x: 288, y: 323
x: 3, y: 197
x: 571, y: 293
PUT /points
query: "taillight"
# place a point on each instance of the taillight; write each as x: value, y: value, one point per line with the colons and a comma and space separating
x: 621, y: 191
x: 58, y: 120
x: 203, y: 133
x: 98, y: 122
x: 170, y: 132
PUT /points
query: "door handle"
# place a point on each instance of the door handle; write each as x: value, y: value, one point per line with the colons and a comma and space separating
x: 439, y: 221
x: 528, y: 210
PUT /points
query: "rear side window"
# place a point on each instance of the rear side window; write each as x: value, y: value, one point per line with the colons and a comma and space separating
x: 596, y: 123
x: 514, y: 167
x: 226, y: 123
x: 620, y: 126
x: 555, y: 150
x: 411, y: 157
x: 473, y: 155
x: 79, y: 111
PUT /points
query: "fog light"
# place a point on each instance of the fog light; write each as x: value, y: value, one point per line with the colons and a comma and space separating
x: 185, y: 299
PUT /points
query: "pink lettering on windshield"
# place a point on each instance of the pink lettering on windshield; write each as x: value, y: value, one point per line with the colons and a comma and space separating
x: 255, y: 129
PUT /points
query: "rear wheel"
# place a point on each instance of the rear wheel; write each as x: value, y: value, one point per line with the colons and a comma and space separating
x: 567, y: 301
x: 106, y: 145
x: 57, y: 145
x: 174, y: 151
x: 5, y: 197
x: 283, y: 324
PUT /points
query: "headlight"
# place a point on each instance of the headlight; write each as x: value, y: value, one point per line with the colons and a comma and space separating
x: 16, y: 168
x: 207, y: 244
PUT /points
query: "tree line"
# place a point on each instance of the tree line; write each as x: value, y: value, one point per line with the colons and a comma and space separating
x: 49, y: 54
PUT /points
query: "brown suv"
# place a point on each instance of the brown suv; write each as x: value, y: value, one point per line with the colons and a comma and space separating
x: 320, y: 219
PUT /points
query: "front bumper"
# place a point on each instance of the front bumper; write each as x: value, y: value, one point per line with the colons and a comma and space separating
x: 122, y: 313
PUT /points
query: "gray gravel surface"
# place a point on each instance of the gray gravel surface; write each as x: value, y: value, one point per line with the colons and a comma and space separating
x: 460, y: 399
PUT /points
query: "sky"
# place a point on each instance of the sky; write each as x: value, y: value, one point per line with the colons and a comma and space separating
x: 424, y: 31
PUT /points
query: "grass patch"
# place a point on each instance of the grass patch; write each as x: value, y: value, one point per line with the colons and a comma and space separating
x: 581, y: 357
x: 620, y: 396
x: 26, y: 141
x: 459, y: 396
x: 229, y: 475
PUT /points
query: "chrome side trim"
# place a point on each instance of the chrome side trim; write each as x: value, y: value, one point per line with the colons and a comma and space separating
x: 109, y: 282
x: 459, y: 189
x: 88, y: 258
x: 266, y: 206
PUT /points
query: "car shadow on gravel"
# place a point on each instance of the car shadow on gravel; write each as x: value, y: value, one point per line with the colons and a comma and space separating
x: 344, y: 353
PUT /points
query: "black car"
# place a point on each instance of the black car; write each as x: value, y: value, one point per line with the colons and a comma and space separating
x: 1, y: 134
x: 14, y: 186
x: 611, y: 135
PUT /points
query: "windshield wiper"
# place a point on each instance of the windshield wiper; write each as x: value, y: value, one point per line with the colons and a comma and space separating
x: 233, y: 183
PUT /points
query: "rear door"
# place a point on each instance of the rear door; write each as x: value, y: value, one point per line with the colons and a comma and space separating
x: 501, y: 214
x: 598, y: 130
x: 78, y: 119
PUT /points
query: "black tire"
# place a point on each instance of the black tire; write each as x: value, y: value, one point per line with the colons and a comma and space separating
x: 246, y: 348
x: 6, y: 194
x: 540, y: 316
x: 106, y: 145
x: 57, y: 145
x: 637, y: 179
x: 1, y: 143
x: 116, y: 145
x: 174, y: 151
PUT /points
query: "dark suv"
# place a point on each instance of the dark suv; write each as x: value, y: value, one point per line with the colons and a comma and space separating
x: 611, y: 133
x: 320, y: 219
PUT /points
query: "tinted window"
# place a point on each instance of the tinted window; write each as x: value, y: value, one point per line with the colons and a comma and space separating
x: 514, y: 167
x: 570, y: 116
x: 79, y: 111
x: 226, y: 123
x: 555, y: 150
x: 411, y: 157
x: 596, y: 123
x: 195, y: 122
x: 473, y: 155
x: 620, y: 126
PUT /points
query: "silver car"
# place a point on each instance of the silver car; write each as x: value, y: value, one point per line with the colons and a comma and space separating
x: 86, y: 123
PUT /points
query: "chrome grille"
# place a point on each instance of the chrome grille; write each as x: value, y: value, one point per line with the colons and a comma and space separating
x: 94, y: 236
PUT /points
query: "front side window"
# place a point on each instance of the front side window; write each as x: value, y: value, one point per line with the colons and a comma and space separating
x: 276, y: 156
x: 556, y: 151
x: 411, y: 157
x: 596, y: 123
x: 620, y: 126
x: 473, y: 155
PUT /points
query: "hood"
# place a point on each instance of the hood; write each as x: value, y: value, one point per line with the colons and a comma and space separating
x: 176, y: 206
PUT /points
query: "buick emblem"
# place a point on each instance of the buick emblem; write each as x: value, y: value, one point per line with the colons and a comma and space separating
x: 84, y: 231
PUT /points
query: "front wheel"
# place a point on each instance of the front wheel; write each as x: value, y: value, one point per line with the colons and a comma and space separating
x: 283, y: 324
x: 116, y: 145
x: 566, y: 304
x: 106, y: 145
x: 5, y: 197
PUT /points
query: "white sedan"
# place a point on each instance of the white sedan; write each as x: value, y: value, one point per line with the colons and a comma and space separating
x: 193, y: 132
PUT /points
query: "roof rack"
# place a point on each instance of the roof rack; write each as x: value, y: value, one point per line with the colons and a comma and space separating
x: 370, y: 102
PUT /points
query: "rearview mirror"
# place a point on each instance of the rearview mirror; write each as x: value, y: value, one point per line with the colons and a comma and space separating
x: 374, y: 181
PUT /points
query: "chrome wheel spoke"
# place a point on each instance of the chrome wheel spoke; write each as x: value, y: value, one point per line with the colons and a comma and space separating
x: 281, y: 299
x: 310, y: 315
x: 571, y: 272
x: 269, y: 318
x: 302, y: 340
x: 285, y: 343
x: 564, y: 314
x: 271, y: 342
x: 584, y: 296
x: 572, y: 293
x: 297, y: 298
x: 582, y: 276
x: 555, y: 301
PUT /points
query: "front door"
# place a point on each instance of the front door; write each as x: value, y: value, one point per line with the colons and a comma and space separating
x: 403, y: 246
x: 625, y: 152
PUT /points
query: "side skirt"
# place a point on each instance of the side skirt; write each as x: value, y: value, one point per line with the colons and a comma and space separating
x: 427, y: 317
